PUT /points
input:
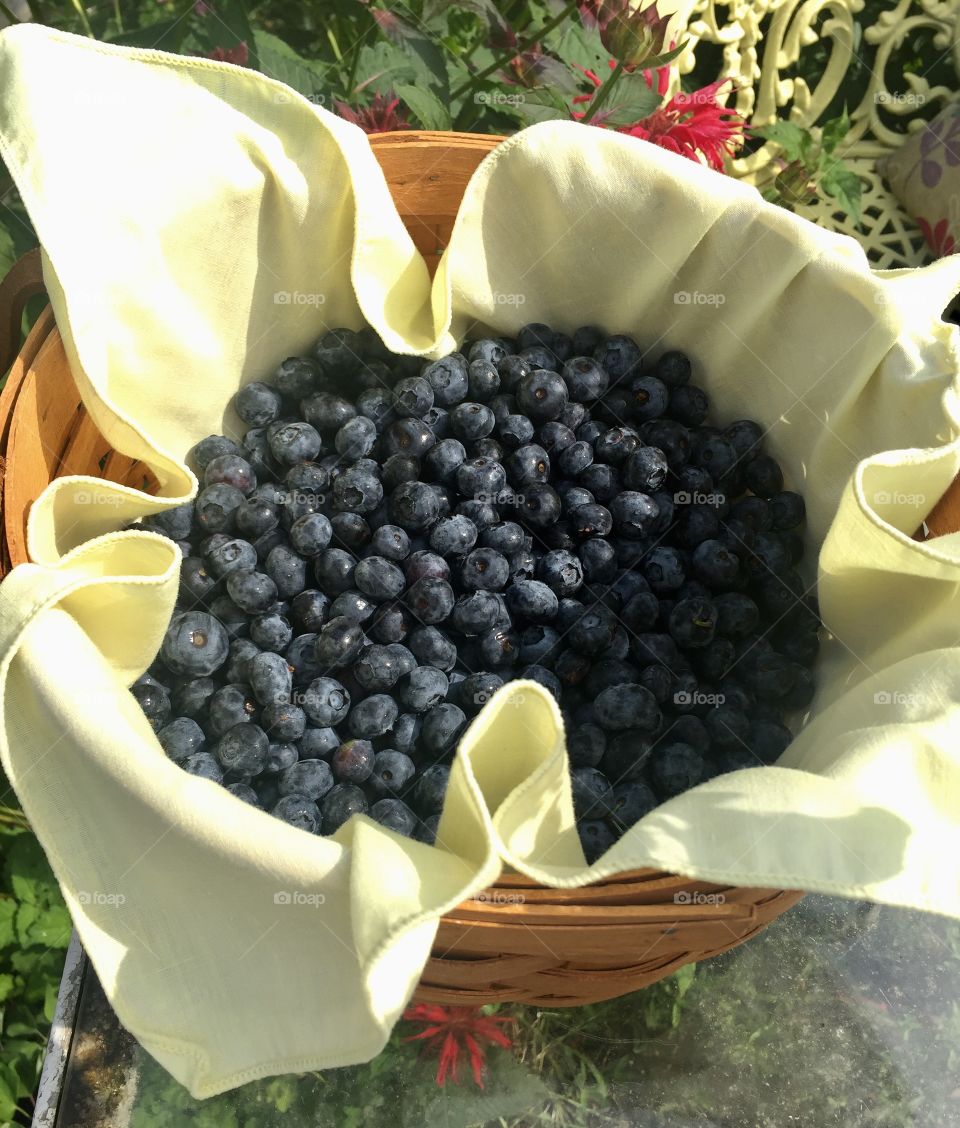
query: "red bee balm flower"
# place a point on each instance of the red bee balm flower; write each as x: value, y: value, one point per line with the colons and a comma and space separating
x: 381, y: 116
x: 238, y: 55
x: 694, y: 125
x: 446, y: 1026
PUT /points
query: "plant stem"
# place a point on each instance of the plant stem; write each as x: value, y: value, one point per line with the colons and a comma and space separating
x: 333, y: 43
x: 518, y: 50
x: 10, y: 17
x: 117, y: 16
x: 13, y: 817
x: 602, y: 94
x: 78, y: 8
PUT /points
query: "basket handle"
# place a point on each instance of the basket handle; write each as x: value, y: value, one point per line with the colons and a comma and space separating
x: 23, y: 281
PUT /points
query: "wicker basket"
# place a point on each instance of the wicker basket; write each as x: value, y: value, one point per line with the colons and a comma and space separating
x: 519, y: 941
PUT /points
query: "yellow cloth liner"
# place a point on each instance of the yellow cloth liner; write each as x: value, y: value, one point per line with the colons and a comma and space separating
x: 174, y: 198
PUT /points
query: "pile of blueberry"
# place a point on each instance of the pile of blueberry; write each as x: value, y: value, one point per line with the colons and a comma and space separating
x: 392, y: 540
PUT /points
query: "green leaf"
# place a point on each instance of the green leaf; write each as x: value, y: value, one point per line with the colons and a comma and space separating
x: 834, y: 132
x: 656, y: 61
x: 632, y: 101
x: 28, y: 872
x: 49, y: 927
x: 381, y: 66
x: 6, y: 987
x: 421, y: 49
x: 164, y: 35
x: 8, y: 1102
x: 844, y: 186
x: 426, y: 106
x: 573, y: 43
x: 279, y: 61
x: 8, y: 912
x: 541, y: 104
x: 794, y: 140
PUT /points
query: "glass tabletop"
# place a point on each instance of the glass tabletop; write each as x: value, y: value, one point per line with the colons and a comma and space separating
x: 840, y: 1013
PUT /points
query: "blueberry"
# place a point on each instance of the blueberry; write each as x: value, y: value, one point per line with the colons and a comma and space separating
x: 406, y: 732
x: 181, y: 738
x: 258, y: 404
x: 645, y: 469
x: 619, y: 355
x: 413, y: 396
x: 154, y: 699
x: 287, y: 570
x: 596, y: 838
x: 210, y: 448
x: 414, y: 506
x: 194, y: 645
x: 202, y: 764
x: 575, y: 458
x: 229, y: 470
x: 395, y: 815
x: 586, y: 745
x: 693, y: 622
x: 317, y: 743
x: 470, y: 421
x: 527, y: 465
x: 540, y: 506
x: 561, y: 571
x: 453, y: 536
x: 252, y: 592
x: 280, y: 756
x: 442, y: 461
x: 515, y: 430
x: 283, y: 721
x: 376, y: 404
x: 542, y: 395
x: 484, y: 569
x: 649, y: 398
x: 431, y: 788
x: 391, y: 773
x: 356, y: 437
x: 189, y: 699
x: 481, y: 478
x: 746, y: 437
x: 532, y: 600
x: 357, y: 491
x: 244, y: 792
x: 298, y: 811
x: 592, y: 793
x: 423, y: 688
x: 628, y: 706
x: 673, y: 368
x: 763, y: 476
x: 769, y: 740
x: 715, y: 564
x: 243, y: 749
x: 338, y: 643
x: 325, y: 701
x: 590, y: 520
x: 296, y: 377
x: 449, y: 379
x: 632, y: 799
x: 675, y: 768
x: 327, y: 411
x: 379, y: 578
x: 373, y: 716
x: 215, y: 506
x: 270, y: 678
x: 483, y: 379
x: 585, y: 378
x: 294, y: 442
x: 770, y: 675
x: 352, y: 762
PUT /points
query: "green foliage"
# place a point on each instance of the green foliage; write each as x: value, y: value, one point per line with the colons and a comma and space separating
x: 34, y: 931
x: 812, y: 165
